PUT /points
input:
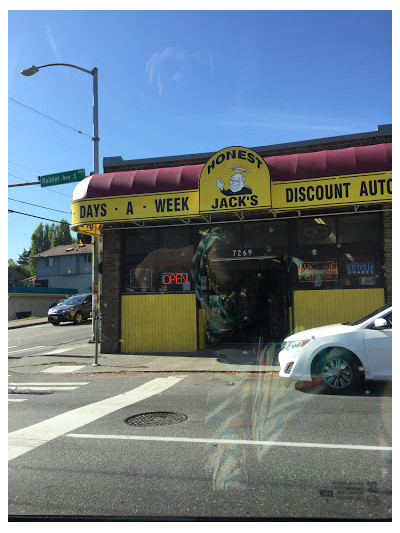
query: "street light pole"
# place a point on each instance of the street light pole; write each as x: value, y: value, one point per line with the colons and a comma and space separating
x: 96, y: 242
x: 96, y: 168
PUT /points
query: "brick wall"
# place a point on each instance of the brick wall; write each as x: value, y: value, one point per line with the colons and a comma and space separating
x: 387, y: 232
x: 111, y: 290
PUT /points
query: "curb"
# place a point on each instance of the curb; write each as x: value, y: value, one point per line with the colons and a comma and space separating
x: 17, y: 326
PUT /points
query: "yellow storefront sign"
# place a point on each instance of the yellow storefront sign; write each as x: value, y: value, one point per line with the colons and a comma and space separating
x: 375, y: 187
x: 135, y: 207
x: 234, y: 179
x: 224, y: 186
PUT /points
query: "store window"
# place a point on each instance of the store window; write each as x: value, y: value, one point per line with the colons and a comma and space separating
x: 316, y: 230
x: 361, y: 270
x: 338, y: 270
x: 338, y: 252
x: 266, y: 238
x: 157, y: 260
x: 360, y: 228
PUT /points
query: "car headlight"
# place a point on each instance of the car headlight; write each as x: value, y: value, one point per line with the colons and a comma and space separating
x: 290, y: 345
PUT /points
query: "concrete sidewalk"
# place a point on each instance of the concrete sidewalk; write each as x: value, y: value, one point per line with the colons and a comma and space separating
x: 82, y: 355
x: 25, y: 322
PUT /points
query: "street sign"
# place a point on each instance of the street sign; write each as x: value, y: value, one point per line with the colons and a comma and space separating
x: 62, y: 177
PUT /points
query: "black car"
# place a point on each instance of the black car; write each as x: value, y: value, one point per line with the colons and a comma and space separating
x: 76, y: 309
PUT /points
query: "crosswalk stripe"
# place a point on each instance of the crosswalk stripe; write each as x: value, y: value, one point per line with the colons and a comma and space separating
x: 17, y: 399
x: 61, y: 369
x: 26, y: 439
x: 27, y: 349
x: 60, y: 383
x: 44, y: 388
x: 59, y: 350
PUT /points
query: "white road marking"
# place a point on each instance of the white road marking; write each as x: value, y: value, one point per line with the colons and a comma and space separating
x: 62, y: 369
x: 26, y: 349
x: 61, y: 383
x: 44, y: 388
x: 26, y: 439
x: 59, y: 350
x: 17, y: 399
x: 228, y: 441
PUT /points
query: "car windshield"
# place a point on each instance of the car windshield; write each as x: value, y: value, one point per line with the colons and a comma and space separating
x: 370, y: 315
x: 73, y: 300
x: 220, y: 230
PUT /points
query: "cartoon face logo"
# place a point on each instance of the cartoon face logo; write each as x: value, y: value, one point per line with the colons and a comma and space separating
x: 236, y: 184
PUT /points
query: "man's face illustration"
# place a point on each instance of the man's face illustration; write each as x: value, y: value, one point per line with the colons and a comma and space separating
x: 237, y: 182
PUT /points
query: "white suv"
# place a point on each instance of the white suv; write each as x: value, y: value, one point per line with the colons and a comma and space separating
x: 340, y: 356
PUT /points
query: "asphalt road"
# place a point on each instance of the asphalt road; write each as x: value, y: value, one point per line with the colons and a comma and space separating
x: 252, y: 446
x: 45, y: 338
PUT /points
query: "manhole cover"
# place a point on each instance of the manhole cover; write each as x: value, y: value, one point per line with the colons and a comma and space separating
x: 160, y: 418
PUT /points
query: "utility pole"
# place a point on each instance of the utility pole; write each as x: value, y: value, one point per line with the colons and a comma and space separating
x: 96, y: 243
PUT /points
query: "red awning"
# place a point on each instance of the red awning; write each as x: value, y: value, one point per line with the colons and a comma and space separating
x: 345, y: 161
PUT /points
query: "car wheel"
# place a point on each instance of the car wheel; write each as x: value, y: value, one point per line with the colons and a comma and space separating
x: 56, y: 323
x: 337, y: 371
x: 78, y: 319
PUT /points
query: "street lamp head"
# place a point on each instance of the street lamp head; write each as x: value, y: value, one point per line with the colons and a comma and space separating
x: 30, y: 71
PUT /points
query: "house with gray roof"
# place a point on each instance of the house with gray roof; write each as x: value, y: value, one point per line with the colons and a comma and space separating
x: 68, y: 266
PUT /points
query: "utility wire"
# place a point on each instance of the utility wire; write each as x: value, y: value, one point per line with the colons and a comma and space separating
x: 19, y: 164
x: 50, y: 118
x: 41, y: 206
x: 46, y: 188
x: 41, y: 218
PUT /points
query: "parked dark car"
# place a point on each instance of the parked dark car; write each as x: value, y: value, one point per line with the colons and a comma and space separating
x: 76, y: 309
x: 57, y: 303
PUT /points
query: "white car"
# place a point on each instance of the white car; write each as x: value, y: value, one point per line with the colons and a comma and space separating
x: 340, y: 357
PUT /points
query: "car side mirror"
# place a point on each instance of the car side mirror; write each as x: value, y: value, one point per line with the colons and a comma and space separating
x: 380, y: 323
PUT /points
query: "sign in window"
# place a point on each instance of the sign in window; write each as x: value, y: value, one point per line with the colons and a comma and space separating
x: 321, y: 271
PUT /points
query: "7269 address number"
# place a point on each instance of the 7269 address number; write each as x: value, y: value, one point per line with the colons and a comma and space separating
x: 242, y: 253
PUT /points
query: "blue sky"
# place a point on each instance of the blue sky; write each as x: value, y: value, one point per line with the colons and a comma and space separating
x: 182, y: 82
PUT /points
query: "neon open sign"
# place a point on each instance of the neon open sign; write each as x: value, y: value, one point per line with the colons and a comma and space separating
x: 175, y: 278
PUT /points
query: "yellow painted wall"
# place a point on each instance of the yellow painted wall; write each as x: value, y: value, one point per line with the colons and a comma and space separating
x: 202, y: 330
x: 158, y: 323
x: 319, y: 308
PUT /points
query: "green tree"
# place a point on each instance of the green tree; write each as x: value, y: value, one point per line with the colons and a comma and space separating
x: 61, y: 234
x: 48, y: 236
x: 23, y: 258
x: 40, y: 241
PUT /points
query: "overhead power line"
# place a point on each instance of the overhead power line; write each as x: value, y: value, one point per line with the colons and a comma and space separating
x: 45, y: 188
x: 41, y: 206
x: 19, y: 164
x: 41, y: 218
x: 50, y: 118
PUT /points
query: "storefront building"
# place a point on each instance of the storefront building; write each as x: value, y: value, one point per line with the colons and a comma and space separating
x: 242, y: 245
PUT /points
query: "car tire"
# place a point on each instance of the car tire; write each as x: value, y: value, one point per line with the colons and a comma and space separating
x: 56, y: 323
x: 78, y: 318
x: 337, y: 371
